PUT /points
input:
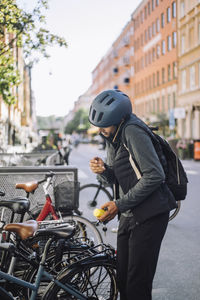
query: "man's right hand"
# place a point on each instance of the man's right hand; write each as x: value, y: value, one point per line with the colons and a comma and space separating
x: 97, y: 165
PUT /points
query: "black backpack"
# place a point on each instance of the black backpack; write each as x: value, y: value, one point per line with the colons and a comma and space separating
x: 176, y: 177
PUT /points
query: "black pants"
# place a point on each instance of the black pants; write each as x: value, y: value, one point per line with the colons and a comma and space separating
x: 138, y: 247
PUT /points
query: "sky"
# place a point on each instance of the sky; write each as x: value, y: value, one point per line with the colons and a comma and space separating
x: 90, y: 27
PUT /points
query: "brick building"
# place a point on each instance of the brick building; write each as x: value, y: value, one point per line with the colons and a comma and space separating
x: 155, y: 59
x: 189, y: 68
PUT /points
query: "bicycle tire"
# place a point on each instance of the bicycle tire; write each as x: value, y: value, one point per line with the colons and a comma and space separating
x: 95, y: 280
x: 91, y: 191
x: 88, y: 231
x: 31, y: 273
x: 174, y: 213
x: 5, y: 295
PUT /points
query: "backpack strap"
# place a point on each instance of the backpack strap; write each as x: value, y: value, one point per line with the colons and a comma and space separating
x: 133, y: 164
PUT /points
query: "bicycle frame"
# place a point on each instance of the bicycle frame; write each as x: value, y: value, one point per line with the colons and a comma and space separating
x: 48, y: 207
x: 42, y: 273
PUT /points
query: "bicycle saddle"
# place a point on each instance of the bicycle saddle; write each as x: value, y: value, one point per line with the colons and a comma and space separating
x: 58, y: 232
x: 18, y: 204
x: 28, y: 186
x: 24, y: 230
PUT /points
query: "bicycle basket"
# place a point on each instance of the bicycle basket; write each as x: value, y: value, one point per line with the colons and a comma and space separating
x: 66, y: 196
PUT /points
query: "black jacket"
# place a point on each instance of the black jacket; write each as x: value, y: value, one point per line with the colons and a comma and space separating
x: 145, y: 193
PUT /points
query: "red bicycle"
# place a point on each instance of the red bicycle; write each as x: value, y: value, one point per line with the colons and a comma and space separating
x: 48, y: 214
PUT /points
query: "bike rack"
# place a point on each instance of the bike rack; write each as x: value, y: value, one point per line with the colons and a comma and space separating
x: 9, y: 176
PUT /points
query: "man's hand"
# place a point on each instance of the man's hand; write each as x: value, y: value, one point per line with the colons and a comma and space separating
x: 111, y: 211
x: 97, y: 165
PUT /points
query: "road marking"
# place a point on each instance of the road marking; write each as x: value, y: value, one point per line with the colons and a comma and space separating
x: 192, y: 172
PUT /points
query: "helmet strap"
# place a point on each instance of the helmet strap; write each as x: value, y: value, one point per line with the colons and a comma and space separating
x: 122, y: 121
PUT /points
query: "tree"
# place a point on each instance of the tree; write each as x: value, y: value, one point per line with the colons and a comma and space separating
x: 26, y: 29
x: 79, y: 123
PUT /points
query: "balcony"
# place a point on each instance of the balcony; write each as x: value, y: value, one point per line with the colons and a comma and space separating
x: 126, y: 41
x: 115, y: 54
x: 126, y: 61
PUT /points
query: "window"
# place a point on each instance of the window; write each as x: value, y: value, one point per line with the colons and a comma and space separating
x: 191, y: 37
x: 162, y: 20
x: 168, y: 15
x: 182, y: 44
x: 169, y: 43
x: 158, y: 78
x: 174, y: 9
x: 169, y: 72
x: 199, y: 74
x: 150, y: 82
x: 141, y: 17
x: 153, y: 29
x: 154, y: 54
x: 163, y: 47
x: 145, y: 12
x: 199, y: 33
x: 149, y: 8
x: 141, y: 40
x: 163, y: 75
x: 157, y: 25
x: 158, y: 104
x: 154, y: 105
x: 146, y: 36
x: 150, y: 57
x: 174, y: 70
x: 163, y: 103
x: 150, y: 32
x: 183, y: 80
x: 153, y: 4
x: 169, y: 100
x: 182, y: 8
x: 154, y: 80
x: 157, y: 2
x: 174, y: 99
x: 174, y: 39
x: 192, y: 77
x: 158, y: 51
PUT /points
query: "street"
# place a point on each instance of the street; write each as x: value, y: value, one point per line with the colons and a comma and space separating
x: 178, y: 271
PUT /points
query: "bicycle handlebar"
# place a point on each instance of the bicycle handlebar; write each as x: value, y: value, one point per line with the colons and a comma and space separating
x: 48, y: 175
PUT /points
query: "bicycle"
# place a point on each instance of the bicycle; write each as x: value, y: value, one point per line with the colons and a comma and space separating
x: 22, y: 260
x: 90, y: 275
x: 65, y: 210
x: 98, y: 193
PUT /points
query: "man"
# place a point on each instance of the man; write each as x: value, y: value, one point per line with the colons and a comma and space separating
x: 144, y: 200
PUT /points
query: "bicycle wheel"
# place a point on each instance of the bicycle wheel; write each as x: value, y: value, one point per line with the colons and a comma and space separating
x: 85, y: 230
x: 91, y: 195
x: 96, y: 280
x: 175, y: 211
x: 52, y: 267
x: 5, y: 295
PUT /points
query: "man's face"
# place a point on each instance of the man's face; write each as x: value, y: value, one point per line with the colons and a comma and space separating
x: 107, y: 131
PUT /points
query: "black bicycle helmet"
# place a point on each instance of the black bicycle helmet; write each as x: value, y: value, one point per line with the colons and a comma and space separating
x: 109, y: 108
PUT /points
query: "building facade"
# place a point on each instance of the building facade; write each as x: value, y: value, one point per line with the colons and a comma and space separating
x: 155, y: 59
x: 18, y: 121
x: 142, y: 61
x: 189, y: 68
x: 115, y: 70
